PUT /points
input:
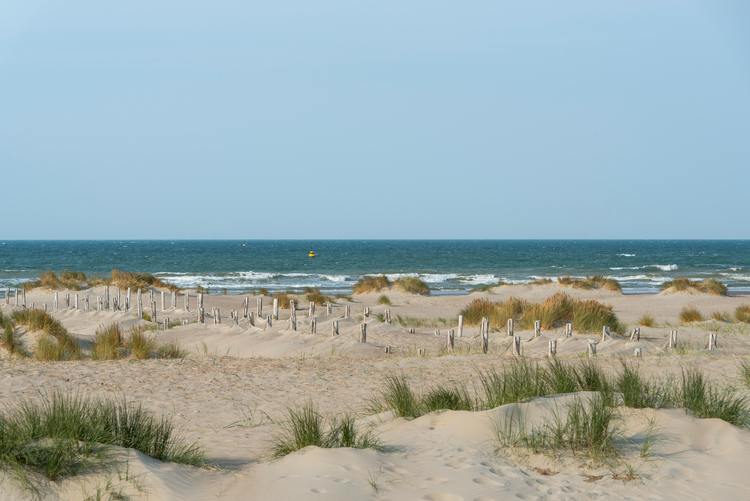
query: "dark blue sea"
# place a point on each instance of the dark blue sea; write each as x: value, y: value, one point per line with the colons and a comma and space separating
x: 448, y: 266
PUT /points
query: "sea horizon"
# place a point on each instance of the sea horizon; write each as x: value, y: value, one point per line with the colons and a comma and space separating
x: 448, y: 266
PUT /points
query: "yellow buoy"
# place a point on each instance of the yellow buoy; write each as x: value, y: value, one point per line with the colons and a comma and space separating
x: 311, y: 254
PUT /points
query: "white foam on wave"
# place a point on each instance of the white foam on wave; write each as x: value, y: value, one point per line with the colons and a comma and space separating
x: 664, y: 267
x: 626, y: 255
x: 478, y: 279
x: 736, y: 276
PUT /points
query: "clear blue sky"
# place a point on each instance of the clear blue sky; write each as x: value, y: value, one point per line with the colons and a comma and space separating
x: 381, y: 119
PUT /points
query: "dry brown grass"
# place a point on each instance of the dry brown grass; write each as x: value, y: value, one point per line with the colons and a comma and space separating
x: 553, y: 312
x: 76, y: 280
x: 412, y: 285
x: 593, y: 282
x: 742, y: 313
x: 283, y: 298
x: 689, y: 314
x: 706, y: 286
x: 646, y: 321
x: 57, y: 344
x: 371, y: 284
x: 125, y: 279
x: 108, y: 343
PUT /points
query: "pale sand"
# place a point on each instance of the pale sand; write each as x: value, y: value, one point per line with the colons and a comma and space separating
x: 227, y: 403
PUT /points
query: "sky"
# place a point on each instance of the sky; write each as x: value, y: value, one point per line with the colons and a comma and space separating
x: 378, y: 119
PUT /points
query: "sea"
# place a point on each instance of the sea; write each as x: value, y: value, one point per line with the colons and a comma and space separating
x: 447, y: 266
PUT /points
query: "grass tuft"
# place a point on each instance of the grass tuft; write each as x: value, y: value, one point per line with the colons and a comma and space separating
x: 704, y: 400
x: 593, y: 282
x: 304, y: 427
x: 707, y: 286
x: 384, y: 300
x: 108, y: 343
x: 412, y: 285
x: 399, y: 397
x: 141, y: 345
x: 646, y: 321
x: 555, y: 311
x: 315, y: 296
x: 742, y: 313
x: 56, y: 344
x: 689, y: 314
x: 170, y: 350
x: 371, y: 284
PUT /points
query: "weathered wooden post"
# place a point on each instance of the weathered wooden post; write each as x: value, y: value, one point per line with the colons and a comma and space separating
x: 187, y: 301
x: 163, y: 306
x: 201, y: 315
x: 363, y: 332
x: 485, y: 334
x: 54, y: 301
x: 568, y: 329
x: 517, y: 346
x: 451, y: 339
x: 347, y: 311
x: 460, y: 326
x: 119, y: 298
x: 98, y: 303
x: 67, y: 299
x: 259, y: 306
x: 638, y: 352
x: 269, y: 321
x: 592, y: 348
x: 139, y: 304
x: 7, y: 295
x: 509, y: 327
x: 335, y: 328
x: 367, y: 312
x: 16, y: 296
x: 313, y: 325
x: 76, y: 301
x: 329, y: 308
x: 106, y: 297
x: 437, y: 332
x: 412, y: 330
x: 127, y: 300
x: 292, y: 315
x: 388, y: 349
x: 712, y: 341
x: 311, y: 309
x: 552, y: 348
x: 275, y: 308
x: 24, y: 297
x: 153, y: 312
x: 174, y: 300
x: 421, y: 352
x: 605, y: 333
x: 246, y: 307
x: 673, y: 338
x: 537, y: 328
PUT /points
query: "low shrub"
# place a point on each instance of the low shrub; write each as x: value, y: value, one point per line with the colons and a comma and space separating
x: 646, y: 321
x: 412, y: 285
x: 689, y: 314
x: 742, y: 313
x: 384, y: 300
x: 593, y: 282
x: 56, y: 344
x: 108, y: 343
x: 371, y: 283
x: 707, y: 286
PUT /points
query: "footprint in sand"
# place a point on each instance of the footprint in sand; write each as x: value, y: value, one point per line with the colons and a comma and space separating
x: 442, y: 496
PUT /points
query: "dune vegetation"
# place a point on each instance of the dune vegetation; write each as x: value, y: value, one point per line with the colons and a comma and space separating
x: 412, y: 285
x: 76, y: 280
x: 59, y: 435
x: 593, y: 282
x: 690, y: 314
x: 55, y: 343
x: 371, y: 283
x: 553, y: 312
x: 706, y: 286
x: 742, y: 313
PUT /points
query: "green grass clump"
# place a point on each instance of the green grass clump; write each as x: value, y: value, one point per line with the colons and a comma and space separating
x: 399, y: 397
x: 170, y: 350
x: 55, y: 344
x: 108, y: 343
x: 134, y: 280
x: 73, y: 280
x: 704, y: 400
x: 446, y: 398
x: 384, y: 300
x: 412, y: 285
x: 516, y: 382
x: 742, y: 313
x: 639, y: 393
x: 541, y: 281
x: 689, y: 314
x: 707, y: 286
x: 140, y: 344
x: 59, y: 435
x: 371, y: 284
x: 555, y: 311
x: 586, y: 428
x: 304, y: 427
x: 593, y: 282
x: 745, y: 372
x: 646, y: 321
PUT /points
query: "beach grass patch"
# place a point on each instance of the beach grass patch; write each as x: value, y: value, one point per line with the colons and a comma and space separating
x: 690, y: 314
x: 412, y: 285
x: 646, y: 321
x: 371, y: 283
x: 706, y: 286
x: 742, y: 313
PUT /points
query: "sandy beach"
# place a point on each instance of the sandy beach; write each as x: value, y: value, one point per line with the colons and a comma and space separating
x: 232, y: 391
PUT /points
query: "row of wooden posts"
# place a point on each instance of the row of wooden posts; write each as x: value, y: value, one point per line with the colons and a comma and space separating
x: 116, y: 303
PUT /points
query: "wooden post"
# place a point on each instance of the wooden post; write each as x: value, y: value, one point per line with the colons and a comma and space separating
x: 174, y: 300
x: 329, y: 308
x: 387, y: 315
x: 311, y: 309
x: 388, y: 350
x: 187, y: 301
x: 269, y: 321
x: 421, y: 352
x: 412, y: 330
x: 313, y: 325
x: 163, y: 306
x: 259, y: 306
x: 67, y: 299
x: 509, y: 327
x: 7, y: 295
x: 16, y: 296
x: 119, y: 298
x: 335, y: 328
x: 54, y: 301
x: 460, y: 326
x: 592, y: 348
x: 712, y: 341
x: 276, y: 308
x: 437, y: 332
x: 246, y: 307
x: 347, y: 311
x: 673, y: 338
x: 98, y: 303
x: 568, y: 329
x: 517, y: 346
x: 24, y: 297
x: 292, y: 315
x: 127, y: 300
x: 638, y: 352
x: 139, y: 304
x: 485, y: 334
x: 363, y: 332
x: 76, y: 301
x: 153, y: 312
x: 367, y: 312
x: 201, y: 315
x: 451, y: 339
x: 552, y: 348
x: 605, y: 333
x: 537, y: 328
x: 106, y: 297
